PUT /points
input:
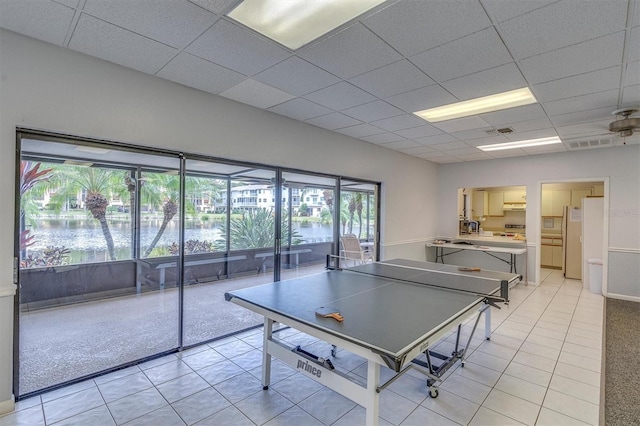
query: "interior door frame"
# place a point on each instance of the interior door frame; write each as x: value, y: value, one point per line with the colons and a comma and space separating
x: 605, y: 236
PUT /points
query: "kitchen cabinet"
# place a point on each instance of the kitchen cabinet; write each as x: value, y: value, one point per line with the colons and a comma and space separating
x: 515, y: 196
x: 496, y: 202
x: 554, y: 201
x: 598, y: 190
x: 480, y: 204
x: 551, y: 252
x: 577, y: 195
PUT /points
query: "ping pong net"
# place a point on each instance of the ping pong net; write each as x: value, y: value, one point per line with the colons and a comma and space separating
x: 490, y: 284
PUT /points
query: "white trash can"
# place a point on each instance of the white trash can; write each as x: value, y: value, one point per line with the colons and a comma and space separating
x: 595, y: 275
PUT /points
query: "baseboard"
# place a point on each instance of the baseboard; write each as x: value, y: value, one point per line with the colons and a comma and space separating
x: 7, y: 406
x: 623, y: 297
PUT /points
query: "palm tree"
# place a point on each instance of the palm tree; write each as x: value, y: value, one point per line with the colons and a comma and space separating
x: 164, y: 190
x: 96, y: 182
x: 358, y: 205
x: 30, y: 176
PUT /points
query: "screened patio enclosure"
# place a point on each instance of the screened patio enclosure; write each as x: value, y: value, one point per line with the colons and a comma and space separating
x: 125, y: 252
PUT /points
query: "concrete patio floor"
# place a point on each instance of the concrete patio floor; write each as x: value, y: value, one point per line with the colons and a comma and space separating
x: 63, y: 343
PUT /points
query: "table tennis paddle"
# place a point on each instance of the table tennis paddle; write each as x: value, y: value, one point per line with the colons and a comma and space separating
x: 327, y: 312
x: 469, y: 269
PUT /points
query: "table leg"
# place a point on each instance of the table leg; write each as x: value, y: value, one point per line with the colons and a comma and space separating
x: 373, y: 397
x: 487, y: 323
x: 266, y: 356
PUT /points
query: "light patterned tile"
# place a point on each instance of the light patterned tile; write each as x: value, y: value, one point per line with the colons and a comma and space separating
x: 572, y: 407
x: 513, y: 407
x: 466, y: 388
x: 579, y: 374
x: 576, y: 389
x: 549, y: 417
x: 530, y: 374
x: 485, y: 417
x: 452, y: 406
x: 521, y: 388
x: 581, y: 361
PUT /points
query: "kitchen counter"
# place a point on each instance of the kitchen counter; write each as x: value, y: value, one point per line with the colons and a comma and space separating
x: 486, y: 240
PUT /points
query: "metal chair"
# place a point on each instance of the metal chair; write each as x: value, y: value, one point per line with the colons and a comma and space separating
x: 351, y: 251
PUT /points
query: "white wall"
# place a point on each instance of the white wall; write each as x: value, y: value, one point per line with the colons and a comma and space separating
x: 621, y: 165
x: 46, y: 87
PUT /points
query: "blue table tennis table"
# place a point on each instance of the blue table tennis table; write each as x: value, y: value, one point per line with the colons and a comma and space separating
x: 394, y: 311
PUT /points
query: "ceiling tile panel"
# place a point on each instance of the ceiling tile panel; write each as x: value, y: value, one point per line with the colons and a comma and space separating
x: 106, y: 41
x: 297, y: 76
x: 415, y: 26
x: 360, y: 130
x: 591, y: 82
x: 216, y: 6
x: 489, y: 140
x: 511, y: 115
x: 544, y: 149
x: 196, y: 72
x: 229, y: 45
x: 475, y: 156
x: 401, y: 145
x: 350, y: 52
x: 582, y: 103
x: 436, y: 139
x: 373, y: 111
x: 400, y: 122
x: 500, y: 79
x: 536, y: 124
x: 300, y: 109
x: 419, y: 150
x: 392, y: 79
x: 340, y: 96
x: 634, y: 41
x: 588, y: 56
x: 631, y: 95
x: 460, y: 124
x: 532, y: 134
x: 383, y: 138
x: 333, y: 121
x: 175, y: 23
x: 469, y: 135
x: 562, y: 24
x: 44, y: 20
x: 583, y: 116
x: 632, y: 74
x: 254, y: 93
x: 451, y: 146
x: 420, y: 99
x: 419, y: 132
x: 591, y: 128
x: 475, y: 52
x: 501, y: 10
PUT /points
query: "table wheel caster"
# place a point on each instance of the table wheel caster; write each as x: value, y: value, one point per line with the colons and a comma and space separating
x: 433, y: 393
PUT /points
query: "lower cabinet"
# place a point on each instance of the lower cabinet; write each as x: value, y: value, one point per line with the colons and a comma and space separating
x: 551, y: 253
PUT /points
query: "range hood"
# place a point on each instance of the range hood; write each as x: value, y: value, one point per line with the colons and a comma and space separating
x: 514, y: 207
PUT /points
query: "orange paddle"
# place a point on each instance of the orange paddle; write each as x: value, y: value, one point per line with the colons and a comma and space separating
x: 327, y: 312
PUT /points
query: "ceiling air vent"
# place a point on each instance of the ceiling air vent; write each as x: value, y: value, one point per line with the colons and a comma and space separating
x: 590, y: 143
x: 505, y: 130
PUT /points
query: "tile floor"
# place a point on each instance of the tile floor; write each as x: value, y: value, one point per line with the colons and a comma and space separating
x: 542, y: 366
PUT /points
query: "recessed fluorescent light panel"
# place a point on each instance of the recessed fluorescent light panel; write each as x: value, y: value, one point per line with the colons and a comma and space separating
x: 520, y: 144
x: 497, y: 102
x: 294, y: 23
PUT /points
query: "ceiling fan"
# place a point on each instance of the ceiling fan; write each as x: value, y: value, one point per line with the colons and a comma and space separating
x: 626, y: 124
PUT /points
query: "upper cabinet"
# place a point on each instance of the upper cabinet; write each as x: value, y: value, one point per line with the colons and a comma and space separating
x: 515, y: 196
x: 480, y: 204
x: 577, y: 195
x: 554, y: 201
x: 496, y: 203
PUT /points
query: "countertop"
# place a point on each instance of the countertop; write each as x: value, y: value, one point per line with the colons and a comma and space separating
x: 486, y: 240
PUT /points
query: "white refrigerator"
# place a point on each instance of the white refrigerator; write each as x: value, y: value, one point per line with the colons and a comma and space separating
x: 572, y: 242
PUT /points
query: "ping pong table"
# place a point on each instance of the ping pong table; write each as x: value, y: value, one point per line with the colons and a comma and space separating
x: 394, y: 312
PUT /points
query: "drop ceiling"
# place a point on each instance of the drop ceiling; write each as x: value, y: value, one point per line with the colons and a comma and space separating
x: 580, y: 58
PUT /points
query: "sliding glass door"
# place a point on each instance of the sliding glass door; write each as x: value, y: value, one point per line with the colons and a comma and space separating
x: 97, y: 281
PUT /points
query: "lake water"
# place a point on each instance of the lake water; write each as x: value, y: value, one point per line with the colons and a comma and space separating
x: 87, y: 235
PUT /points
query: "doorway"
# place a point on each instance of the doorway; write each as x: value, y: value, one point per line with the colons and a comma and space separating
x: 562, y: 231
